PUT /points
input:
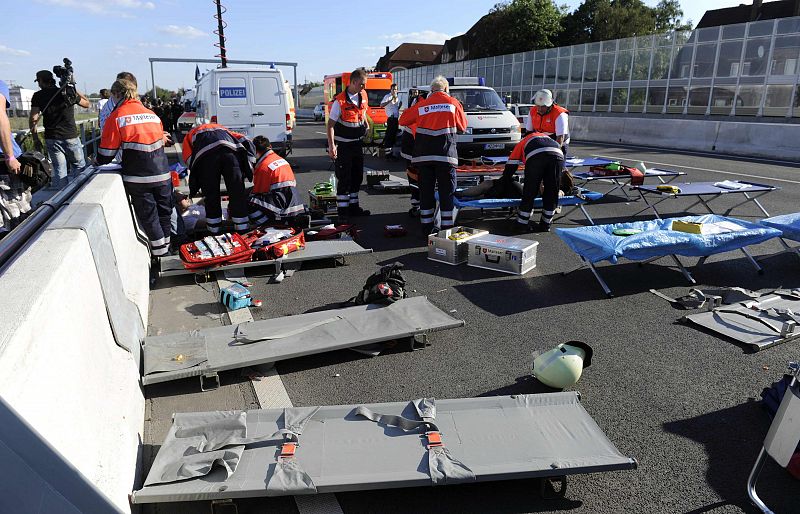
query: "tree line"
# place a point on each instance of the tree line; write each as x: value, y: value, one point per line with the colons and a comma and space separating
x: 521, y: 25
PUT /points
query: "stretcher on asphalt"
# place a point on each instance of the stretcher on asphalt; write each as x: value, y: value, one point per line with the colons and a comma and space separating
x: 495, y: 167
x: 314, y: 250
x: 574, y: 201
x: 789, y: 225
x: 705, y: 193
x: 623, y: 178
x: 760, y: 323
x: 656, y: 239
x: 315, y: 450
x: 393, y: 184
x: 206, y: 352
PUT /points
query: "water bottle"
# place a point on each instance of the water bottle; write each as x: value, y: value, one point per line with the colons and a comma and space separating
x: 332, y: 180
x: 641, y: 167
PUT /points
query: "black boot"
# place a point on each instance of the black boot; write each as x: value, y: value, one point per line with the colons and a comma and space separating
x: 356, y: 210
x: 343, y: 214
x: 413, y: 212
x: 541, y: 227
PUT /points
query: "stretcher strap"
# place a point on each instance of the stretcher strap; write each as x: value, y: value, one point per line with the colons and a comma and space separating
x: 288, y: 475
x: 442, y: 466
x: 782, y: 314
x: 240, y: 332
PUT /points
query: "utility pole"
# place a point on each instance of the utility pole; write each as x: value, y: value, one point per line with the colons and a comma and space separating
x: 221, y: 33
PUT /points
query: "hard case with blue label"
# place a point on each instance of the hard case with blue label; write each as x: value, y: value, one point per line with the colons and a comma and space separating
x: 501, y: 253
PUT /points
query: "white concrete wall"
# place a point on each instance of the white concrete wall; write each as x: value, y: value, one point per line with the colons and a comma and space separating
x: 132, y: 256
x: 765, y: 140
x: 59, y: 365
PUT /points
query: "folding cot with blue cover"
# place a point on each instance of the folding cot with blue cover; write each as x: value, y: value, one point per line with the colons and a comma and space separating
x: 657, y: 239
x: 574, y: 201
x: 789, y: 225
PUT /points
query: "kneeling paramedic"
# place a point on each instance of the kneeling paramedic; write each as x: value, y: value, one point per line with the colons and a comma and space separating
x: 543, y: 161
x: 347, y: 125
x: 212, y: 151
x: 438, y: 118
x: 145, y: 170
x: 275, y: 196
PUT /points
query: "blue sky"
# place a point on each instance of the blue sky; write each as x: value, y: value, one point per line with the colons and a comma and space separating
x: 103, y: 37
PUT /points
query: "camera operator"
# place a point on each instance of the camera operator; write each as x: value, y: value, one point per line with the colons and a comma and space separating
x: 60, y: 132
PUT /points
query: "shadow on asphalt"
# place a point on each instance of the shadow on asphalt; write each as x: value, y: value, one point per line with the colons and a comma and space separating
x: 731, y: 438
x: 525, y: 384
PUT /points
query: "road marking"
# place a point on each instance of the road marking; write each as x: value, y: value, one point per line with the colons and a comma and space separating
x: 272, y: 394
x: 769, y: 179
x: 321, y: 133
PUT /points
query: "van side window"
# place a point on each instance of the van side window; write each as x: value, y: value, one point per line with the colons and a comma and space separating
x: 266, y: 91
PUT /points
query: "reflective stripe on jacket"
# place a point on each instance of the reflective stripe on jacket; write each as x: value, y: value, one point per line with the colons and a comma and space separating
x: 272, y: 172
x: 351, y: 125
x: 535, y: 143
x: 139, y: 133
x: 438, y: 118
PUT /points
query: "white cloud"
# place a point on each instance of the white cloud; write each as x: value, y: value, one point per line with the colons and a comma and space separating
x: 426, y: 36
x: 186, y: 31
x: 160, y: 45
x: 118, y: 8
x: 7, y: 50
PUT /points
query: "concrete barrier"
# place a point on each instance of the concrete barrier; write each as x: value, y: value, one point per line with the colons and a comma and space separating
x: 744, y: 139
x: 71, y: 301
x: 106, y: 189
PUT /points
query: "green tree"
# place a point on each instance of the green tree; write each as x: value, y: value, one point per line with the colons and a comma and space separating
x: 602, y: 20
x: 518, y: 26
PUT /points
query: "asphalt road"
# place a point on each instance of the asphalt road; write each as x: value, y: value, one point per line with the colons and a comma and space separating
x: 681, y: 401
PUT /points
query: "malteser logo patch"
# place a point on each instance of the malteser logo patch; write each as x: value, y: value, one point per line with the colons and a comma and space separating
x: 135, y: 119
x: 434, y: 108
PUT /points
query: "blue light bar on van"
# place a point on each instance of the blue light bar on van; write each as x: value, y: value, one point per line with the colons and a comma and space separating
x: 379, y: 75
x: 466, y: 81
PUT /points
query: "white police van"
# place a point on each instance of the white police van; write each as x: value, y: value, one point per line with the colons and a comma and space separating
x: 251, y: 101
x: 492, y: 130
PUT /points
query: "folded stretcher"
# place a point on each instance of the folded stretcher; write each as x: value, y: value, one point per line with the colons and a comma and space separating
x: 206, y: 352
x: 309, y: 450
x: 651, y: 240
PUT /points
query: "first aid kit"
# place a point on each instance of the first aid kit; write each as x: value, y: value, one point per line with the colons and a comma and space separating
x: 215, y: 250
x: 273, y: 243
x: 500, y: 253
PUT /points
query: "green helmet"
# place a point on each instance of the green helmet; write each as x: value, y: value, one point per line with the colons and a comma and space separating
x: 562, y: 366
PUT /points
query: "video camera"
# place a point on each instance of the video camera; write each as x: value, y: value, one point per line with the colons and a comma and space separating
x: 66, y: 78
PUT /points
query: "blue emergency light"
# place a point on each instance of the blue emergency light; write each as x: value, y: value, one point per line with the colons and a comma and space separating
x: 466, y: 81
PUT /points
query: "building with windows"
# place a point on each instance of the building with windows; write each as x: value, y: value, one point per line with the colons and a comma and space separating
x: 736, y: 71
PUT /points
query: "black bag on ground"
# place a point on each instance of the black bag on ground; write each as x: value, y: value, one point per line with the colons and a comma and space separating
x: 36, y: 170
x: 385, y: 286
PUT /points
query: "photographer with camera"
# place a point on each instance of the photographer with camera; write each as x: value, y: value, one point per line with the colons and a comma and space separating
x: 57, y: 105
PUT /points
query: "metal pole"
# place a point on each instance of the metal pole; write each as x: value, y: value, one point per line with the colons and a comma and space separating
x: 220, y: 28
x: 296, y: 94
x: 153, y: 80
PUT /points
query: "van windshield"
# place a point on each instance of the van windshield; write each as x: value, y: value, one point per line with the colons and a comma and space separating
x: 374, y: 96
x: 479, y: 99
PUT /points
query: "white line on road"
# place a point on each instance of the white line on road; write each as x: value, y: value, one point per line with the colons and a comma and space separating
x: 272, y: 394
x: 769, y: 179
x: 321, y: 133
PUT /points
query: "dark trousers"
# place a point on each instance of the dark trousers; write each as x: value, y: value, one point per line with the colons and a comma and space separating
x: 542, y: 168
x: 391, y: 132
x: 431, y: 176
x: 413, y: 183
x: 222, y: 163
x: 153, y: 208
x: 349, y: 174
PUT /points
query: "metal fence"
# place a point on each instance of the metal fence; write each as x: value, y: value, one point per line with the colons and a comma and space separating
x: 748, y: 69
x: 88, y: 132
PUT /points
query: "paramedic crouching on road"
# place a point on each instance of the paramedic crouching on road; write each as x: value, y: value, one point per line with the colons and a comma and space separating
x: 212, y: 151
x: 543, y: 161
x: 145, y: 170
x: 275, y: 196
x: 438, y: 118
x: 549, y: 118
x: 347, y: 124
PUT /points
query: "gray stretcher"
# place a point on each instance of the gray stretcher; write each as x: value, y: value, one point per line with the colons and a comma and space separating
x: 310, y: 450
x: 206, y: 352
x: 313, y: 251
x: 761, y: 323
x: 394, y: 184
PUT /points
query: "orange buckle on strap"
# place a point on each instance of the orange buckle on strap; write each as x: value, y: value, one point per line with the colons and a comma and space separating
x: 434, y: 439
x: 288, y: 450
